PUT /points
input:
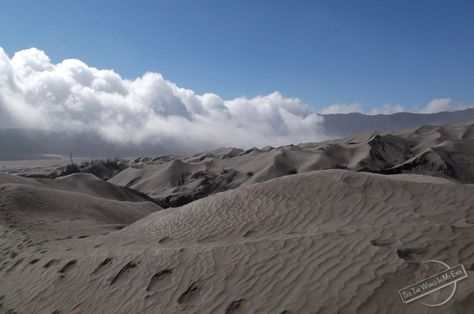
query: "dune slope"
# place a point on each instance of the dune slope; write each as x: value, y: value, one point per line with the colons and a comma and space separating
x: 322, y: 241
x: 74, y: 206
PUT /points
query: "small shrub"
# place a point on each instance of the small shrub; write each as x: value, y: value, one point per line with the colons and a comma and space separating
x: 70, y: 169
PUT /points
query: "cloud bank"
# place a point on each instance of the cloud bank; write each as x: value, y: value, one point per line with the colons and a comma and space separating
x: 72, y: 96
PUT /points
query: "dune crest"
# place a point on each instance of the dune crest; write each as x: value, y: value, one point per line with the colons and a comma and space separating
x: 442, y: 151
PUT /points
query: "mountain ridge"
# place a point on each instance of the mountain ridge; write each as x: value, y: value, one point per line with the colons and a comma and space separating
x: 21, y: 144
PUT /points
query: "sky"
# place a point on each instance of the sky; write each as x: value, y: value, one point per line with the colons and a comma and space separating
x: 371, y: 53
x: 205, y: 74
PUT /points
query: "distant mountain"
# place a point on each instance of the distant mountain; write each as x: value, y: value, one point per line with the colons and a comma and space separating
x: 17, y: 144
x: 32, y: 144
x: 342, y: 125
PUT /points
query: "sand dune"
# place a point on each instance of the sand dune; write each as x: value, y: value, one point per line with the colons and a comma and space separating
x: 80, y: 183
x: 68, y: 207
x: 444, y: 151
x: 282, y: 236
x: 91, y: 185
x: 323, y: 241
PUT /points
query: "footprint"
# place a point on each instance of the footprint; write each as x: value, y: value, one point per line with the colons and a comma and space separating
x: 124, y: 271
x: 118, y: 227
x: 164, y: 240
x: 160, y: 278
x: 233, y: 306
x: 248, y: 233
x: 190, y: 295
x: 67, y: 267
x: 51, y: 263
x: 470, y: 220
x: 409, y: 254
x: 209, y: 239
x: 381, y: 243
x: 102, y: 264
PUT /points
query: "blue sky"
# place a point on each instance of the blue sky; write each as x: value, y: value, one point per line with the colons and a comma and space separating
x: 323, y: 52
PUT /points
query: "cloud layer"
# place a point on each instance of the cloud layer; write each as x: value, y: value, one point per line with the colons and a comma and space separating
x: 72, y: 96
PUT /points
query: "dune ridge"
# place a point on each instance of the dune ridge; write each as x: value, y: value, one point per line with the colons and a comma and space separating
x: 443, y: 151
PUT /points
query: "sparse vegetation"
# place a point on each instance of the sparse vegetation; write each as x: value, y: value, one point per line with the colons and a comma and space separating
x: 101, y: 168
x: 70, y: 169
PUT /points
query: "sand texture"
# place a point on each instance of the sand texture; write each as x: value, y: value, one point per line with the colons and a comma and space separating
x: 322, y: 241
x: 268, y: 230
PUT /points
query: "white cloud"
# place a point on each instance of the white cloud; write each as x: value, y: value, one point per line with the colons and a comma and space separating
x: 71, y: 95
x: 341, y: 108
x: 435, y: 105
x: 441, y: 104
x: 386, y: 109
